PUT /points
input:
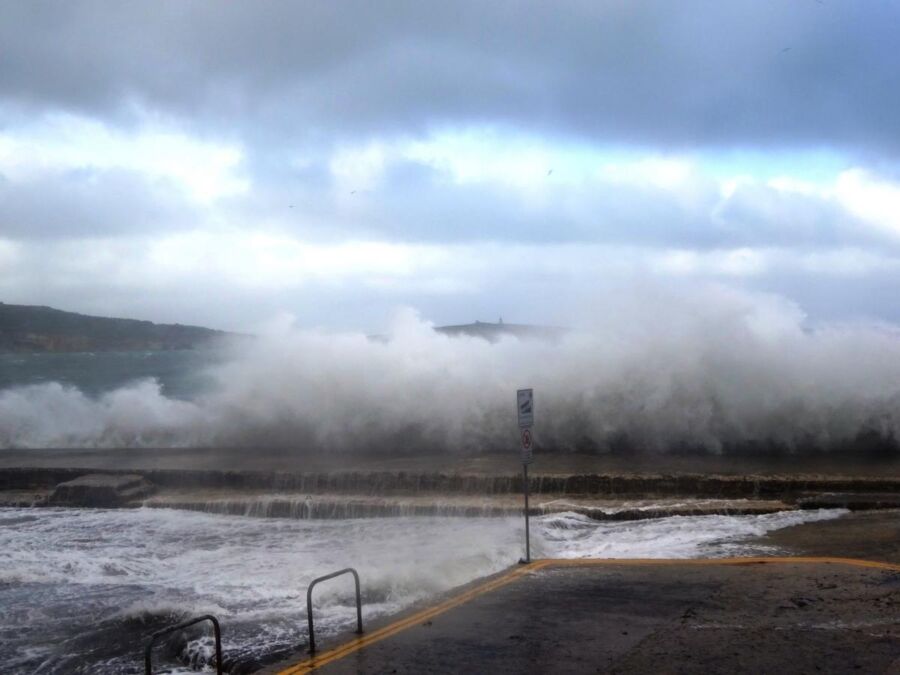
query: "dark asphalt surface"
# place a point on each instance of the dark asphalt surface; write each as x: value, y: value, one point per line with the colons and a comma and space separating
x: 796, y: 618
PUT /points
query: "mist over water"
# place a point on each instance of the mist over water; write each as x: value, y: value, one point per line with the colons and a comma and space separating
x: 710, y: 369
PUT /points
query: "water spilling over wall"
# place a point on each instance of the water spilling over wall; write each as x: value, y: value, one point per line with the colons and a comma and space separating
x: 436, y: 485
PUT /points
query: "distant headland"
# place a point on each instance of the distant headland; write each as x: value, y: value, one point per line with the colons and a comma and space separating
x: 492, y: 332
x: 33, y: 328
x: 28, y: 328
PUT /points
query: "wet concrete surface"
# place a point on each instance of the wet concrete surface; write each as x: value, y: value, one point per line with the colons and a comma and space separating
x: 101, y: 490
x: 799, y: 618
x: 679, y: 618
x: 871, y: 535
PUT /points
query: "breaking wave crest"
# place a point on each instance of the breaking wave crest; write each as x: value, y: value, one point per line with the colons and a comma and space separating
x: 714, y: 370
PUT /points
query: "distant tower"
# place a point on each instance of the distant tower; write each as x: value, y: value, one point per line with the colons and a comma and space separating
x: 500, y: 321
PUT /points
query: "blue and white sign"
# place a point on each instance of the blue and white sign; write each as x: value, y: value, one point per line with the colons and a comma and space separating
x: 525, y: 404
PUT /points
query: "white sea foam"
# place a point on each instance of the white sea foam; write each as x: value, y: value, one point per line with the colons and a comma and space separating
x: 133, y: 565
x: 707, y: 368
x: 571, y: 535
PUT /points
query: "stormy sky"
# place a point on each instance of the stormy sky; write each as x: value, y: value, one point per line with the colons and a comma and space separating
x: 233, y: 164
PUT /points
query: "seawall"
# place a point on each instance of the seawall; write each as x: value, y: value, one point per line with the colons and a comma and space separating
x: 788, y: 487
x: 291, y: 483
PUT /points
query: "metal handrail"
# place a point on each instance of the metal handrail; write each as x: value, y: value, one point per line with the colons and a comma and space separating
x: 309, y: 614
x: 148, y: 665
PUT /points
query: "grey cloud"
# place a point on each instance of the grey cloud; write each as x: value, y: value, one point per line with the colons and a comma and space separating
x: 283, y: 79
x: 415, y: 202
x: 757, y: 214
x: 89, y: 203
x: 658, y: 73
x: 840, y: 298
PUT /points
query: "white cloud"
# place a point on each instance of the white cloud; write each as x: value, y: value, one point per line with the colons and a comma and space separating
x: 360, y: 168
x: 870, y: 197
x: 844, y: 262
x: 479, y: 156
x: 528, y: 163
x: 666, y: 173
x: 267, y: 261
x: 205, y: 170
x: 737, y: 262
x: 795, y: 185
x: 628, y: 213
x: 8, y: 252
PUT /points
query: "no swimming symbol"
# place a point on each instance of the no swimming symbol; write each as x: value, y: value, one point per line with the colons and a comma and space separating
x: 527, y: 446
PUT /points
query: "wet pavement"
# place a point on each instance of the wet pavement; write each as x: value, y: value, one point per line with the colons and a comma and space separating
x: 682, y: 617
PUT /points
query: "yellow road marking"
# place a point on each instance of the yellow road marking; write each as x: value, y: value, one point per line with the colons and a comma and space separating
x: 803, y: 560
x: 425, y: 615
x: 403, y: 624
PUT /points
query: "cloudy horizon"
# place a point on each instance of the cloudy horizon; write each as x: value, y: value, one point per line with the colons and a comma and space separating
x: 230, y: 164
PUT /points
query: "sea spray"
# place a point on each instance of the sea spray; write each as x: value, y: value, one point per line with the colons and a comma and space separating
x: 713, y: 369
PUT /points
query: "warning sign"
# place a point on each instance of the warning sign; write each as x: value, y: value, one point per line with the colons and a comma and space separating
x: 527, y: 446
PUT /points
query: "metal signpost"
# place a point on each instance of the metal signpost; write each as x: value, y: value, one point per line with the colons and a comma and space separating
x: 525, y: 406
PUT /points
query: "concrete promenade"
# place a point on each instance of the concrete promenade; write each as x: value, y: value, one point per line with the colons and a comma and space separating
x: 762, y: 615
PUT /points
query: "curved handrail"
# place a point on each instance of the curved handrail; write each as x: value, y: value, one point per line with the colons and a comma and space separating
x: 309, y: 614
x: 148, y: 665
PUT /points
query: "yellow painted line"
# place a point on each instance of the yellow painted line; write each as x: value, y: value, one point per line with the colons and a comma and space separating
x: 401, y: 625
x: 701, y: 562
x: 367, y: 639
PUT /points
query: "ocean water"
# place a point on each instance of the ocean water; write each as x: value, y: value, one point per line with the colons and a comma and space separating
x: 81, y: 590
x: 182, y: 374
x: 107, y: 399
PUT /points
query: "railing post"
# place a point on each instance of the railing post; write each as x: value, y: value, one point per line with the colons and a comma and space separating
x: 309, y: 612
x: 309, y: 619
x: 148, y: 651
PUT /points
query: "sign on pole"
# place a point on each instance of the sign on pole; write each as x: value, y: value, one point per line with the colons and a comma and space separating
x: 525, y: 401
x: 525, y: 405
x: 527, y: 446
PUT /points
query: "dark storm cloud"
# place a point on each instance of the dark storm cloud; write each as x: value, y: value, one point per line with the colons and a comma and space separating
x: 750, y: 72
